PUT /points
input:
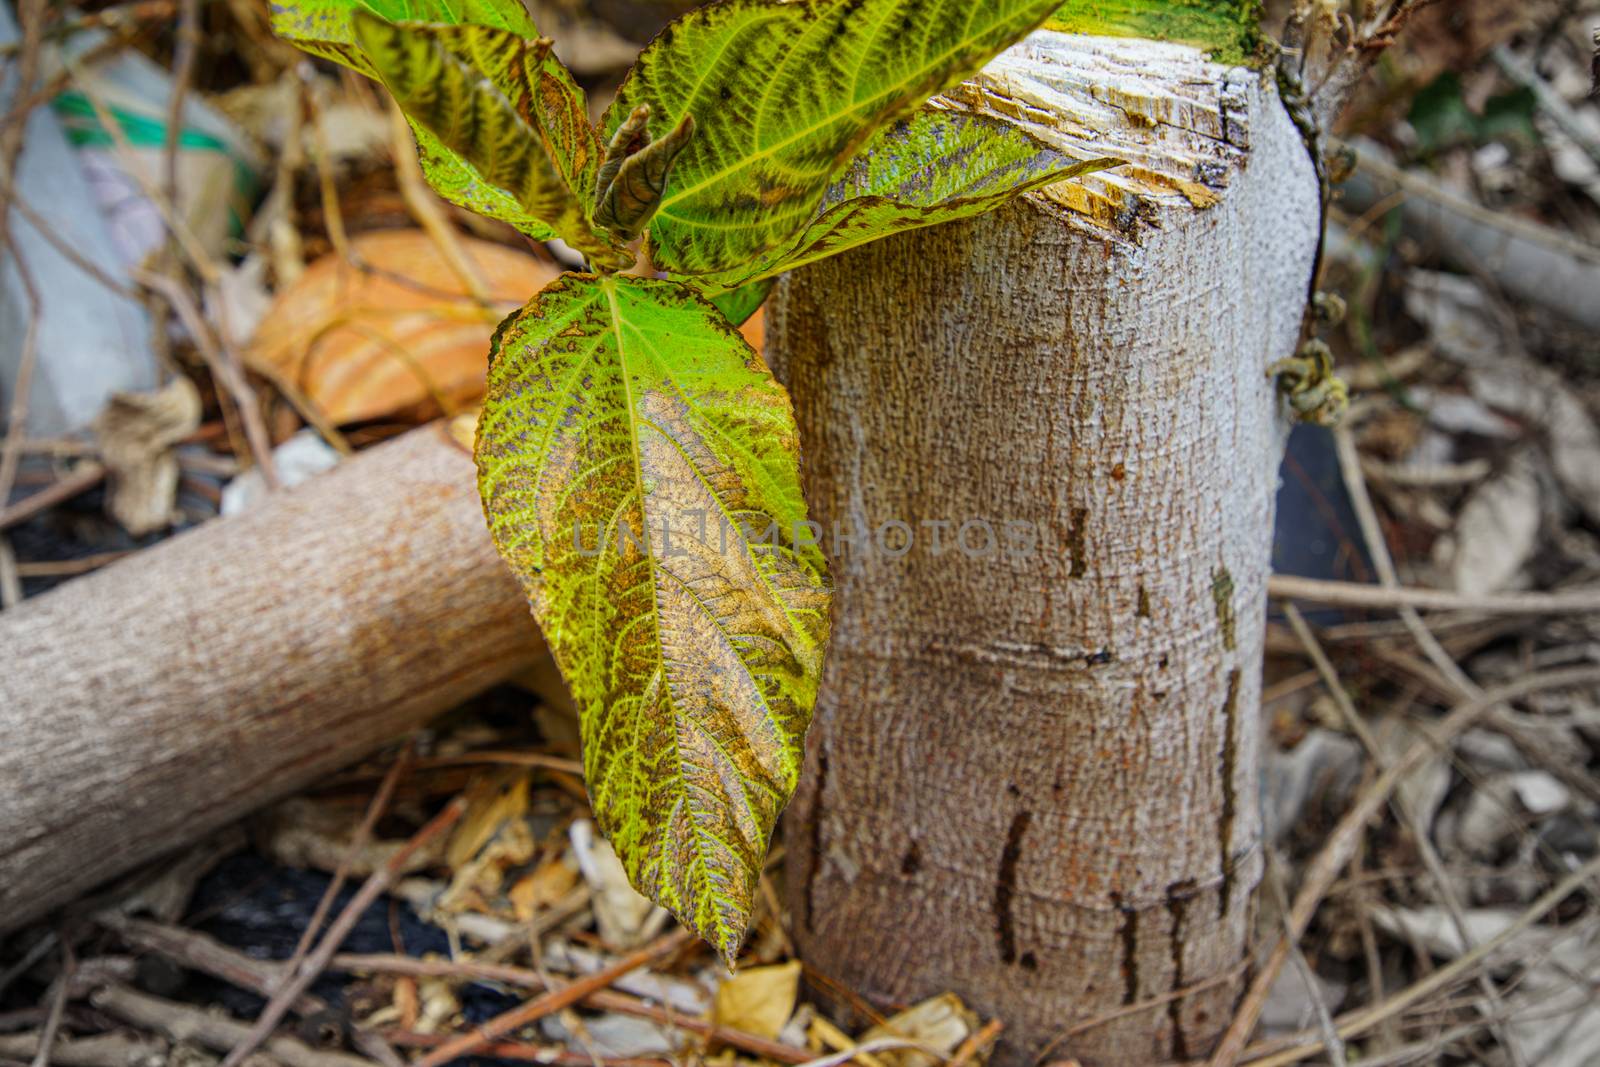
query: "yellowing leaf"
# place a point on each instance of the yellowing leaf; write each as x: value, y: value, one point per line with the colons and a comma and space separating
x: 544, y: 93
x: 758, y: 1000
x: 783, y: 95
x: 323, y: 27
x: 937, y: 166
x: 639, y: 469
x: 474, y: 89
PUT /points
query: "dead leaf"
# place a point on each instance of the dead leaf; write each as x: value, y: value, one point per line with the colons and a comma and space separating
x: 136, y: 434
x: 1497, y: 531
x: 1468, y: 329
x: 759, y: 1000
x: 1500, y: 804
x: 625, y: 918
x: 937, y: 1025
x: 613, y: 1035
x: 548, y: 883
x: 401, y: 336
x: 492, y: 800
x: 494, y: 837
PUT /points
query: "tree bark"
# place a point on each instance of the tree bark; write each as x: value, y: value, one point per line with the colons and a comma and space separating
x: 171, y: 693
x: 1032, y: 775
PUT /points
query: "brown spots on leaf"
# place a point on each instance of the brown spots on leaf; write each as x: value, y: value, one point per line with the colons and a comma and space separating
x: 1005, y: 887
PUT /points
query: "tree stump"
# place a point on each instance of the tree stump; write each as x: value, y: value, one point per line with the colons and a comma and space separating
x: 1032, y: 777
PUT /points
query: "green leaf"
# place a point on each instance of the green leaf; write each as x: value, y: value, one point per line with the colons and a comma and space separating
x: 1442, y: 118
x: 739, y: 304
x: 783, y: 95
x: 323, y: 27
x: 937, y: 166
x: 553, y: 101
x: 1228, y: 29
x: 629, y: 410
x: 479, y: 92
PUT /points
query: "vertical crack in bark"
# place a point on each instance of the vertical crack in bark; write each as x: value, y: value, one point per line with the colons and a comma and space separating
x: 1005, y: 887
x: 1077, y: 550
x: 1222, y: 596
x: 1129, y: 933
x: 1178, y: 896
x: 816, y: 841
x: 1230, y: 766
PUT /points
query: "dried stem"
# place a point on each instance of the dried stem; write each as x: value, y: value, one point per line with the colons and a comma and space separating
x: 316, y: 962
x: 1346, y: 835
x: 553, y: 1001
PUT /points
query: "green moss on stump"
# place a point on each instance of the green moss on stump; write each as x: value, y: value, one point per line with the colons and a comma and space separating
x: 1228, y: 29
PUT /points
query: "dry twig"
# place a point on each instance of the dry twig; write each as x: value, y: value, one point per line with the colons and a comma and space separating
x: 1357, y: 1023
x: 1342, y: 841
x: 298, y: 981
x: 554, y: 1001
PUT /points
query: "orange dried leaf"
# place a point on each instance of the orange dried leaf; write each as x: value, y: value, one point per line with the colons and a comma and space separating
x: 403, y: 335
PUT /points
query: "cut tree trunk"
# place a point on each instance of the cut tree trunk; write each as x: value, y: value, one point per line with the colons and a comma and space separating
x: 1032, y: 775
x: 173, y: 692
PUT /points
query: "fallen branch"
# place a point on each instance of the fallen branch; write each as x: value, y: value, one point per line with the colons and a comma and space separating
x: 172, y: 692
x: 180, y: 1022
x: 103, y: 1050
x: 1355, y: 595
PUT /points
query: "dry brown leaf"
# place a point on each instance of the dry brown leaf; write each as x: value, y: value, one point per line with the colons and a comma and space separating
x: 938, y: 1024
x: 758, y: 1000
x: 549, y: 883
x: 1497, y: 531
x: 494, y: 838
x: 402, y: 336
x: 625, y: 918
x: 492, y: 801
x: 136, y: 433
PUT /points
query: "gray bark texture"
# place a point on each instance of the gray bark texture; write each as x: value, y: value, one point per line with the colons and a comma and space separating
x: 1032, y: 774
